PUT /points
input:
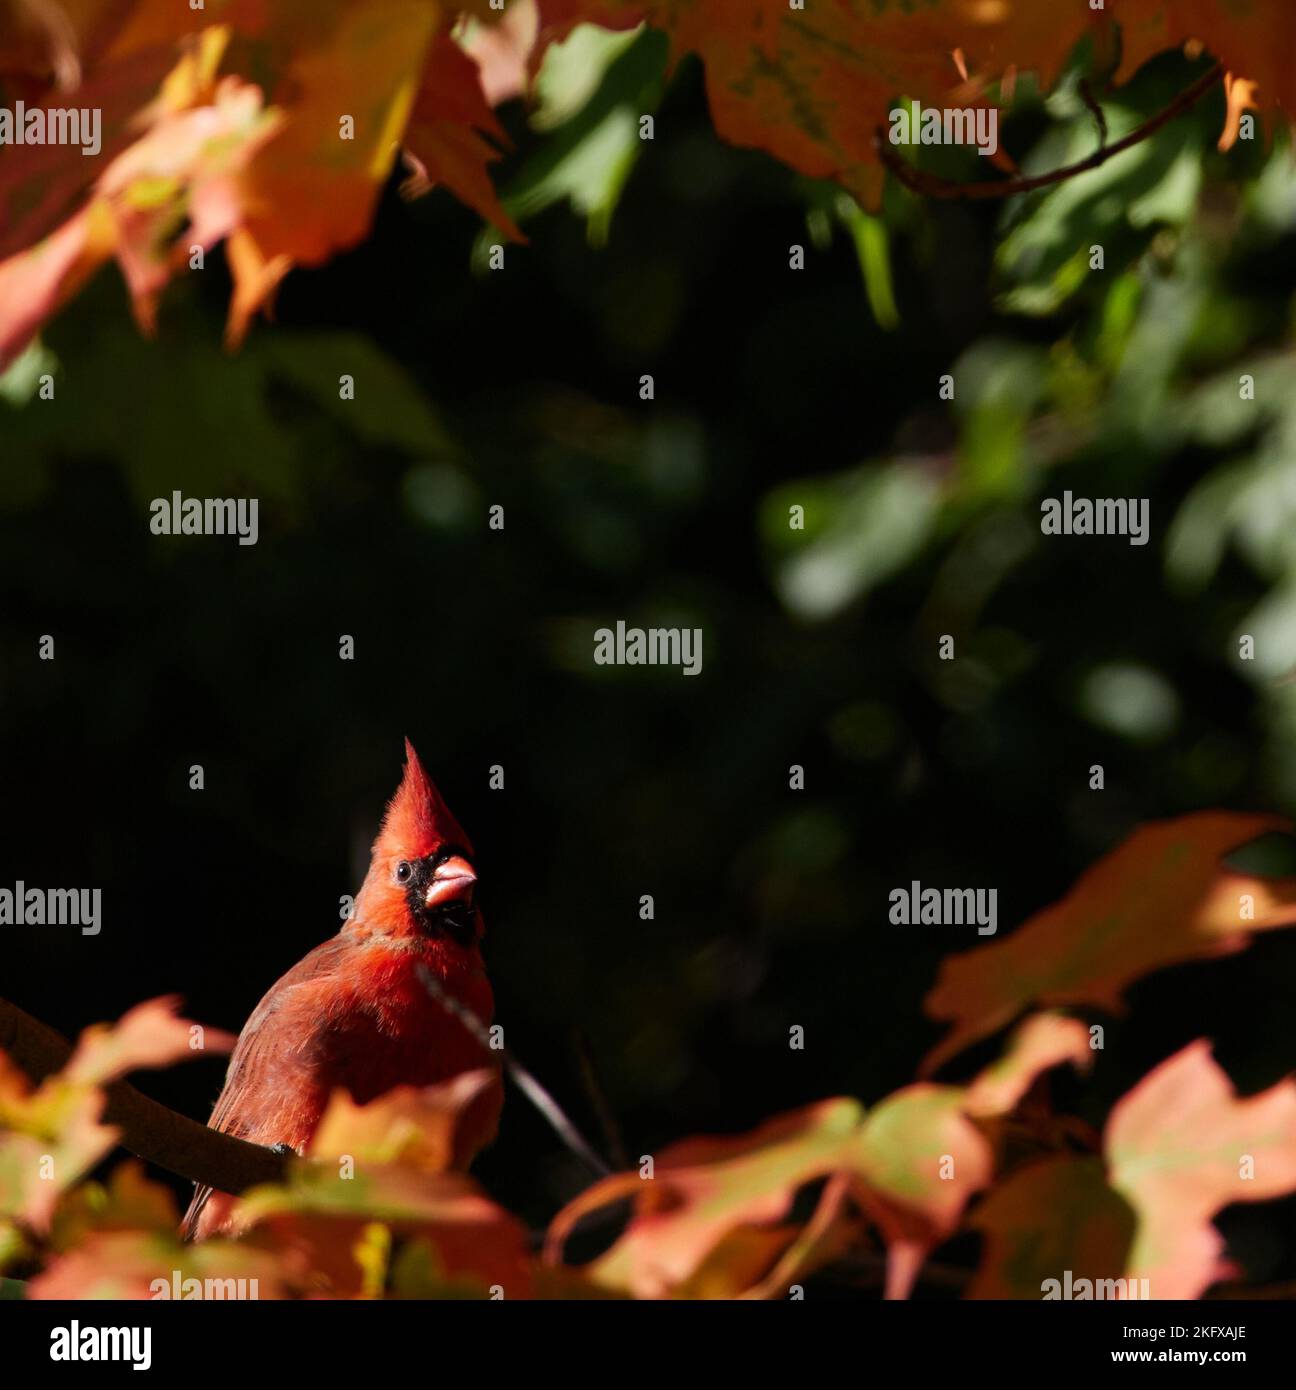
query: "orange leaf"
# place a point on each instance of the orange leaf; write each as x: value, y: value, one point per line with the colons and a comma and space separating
x: 120, y: 1264
x: 1162, y: 897
x: 704, y: 1189
x: 418, y: 1128
x: 311, y: 191
x: 1044, y: 1041
x: 812, y: 86
x: 255, y: 282
x: 42, y: 185
x: 179, y: 184
x: 712, y: 1206
x: 148, y: 1036
x: 444, y: 133
x: 1253, y: 37
x: 317, y: 1225
x: 52, y: 1135
x: 1178, y: 1148
x: 1241, y: 96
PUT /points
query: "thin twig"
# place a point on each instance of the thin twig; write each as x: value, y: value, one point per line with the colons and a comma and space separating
x: 523, y: 1079
x: 598, y: 1099
x: 931, y: 185
x: 1096, y: 111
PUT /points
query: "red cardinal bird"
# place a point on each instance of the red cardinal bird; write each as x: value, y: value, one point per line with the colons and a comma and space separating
x: 354, y: 1012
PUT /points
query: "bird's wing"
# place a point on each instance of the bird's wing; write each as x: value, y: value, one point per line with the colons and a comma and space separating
x: 268, y: 1097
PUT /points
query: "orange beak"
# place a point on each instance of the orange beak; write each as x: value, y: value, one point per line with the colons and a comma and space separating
x: 452, y: 882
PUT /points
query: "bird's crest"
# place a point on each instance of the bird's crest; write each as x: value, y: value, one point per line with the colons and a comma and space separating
x: 418, y: 822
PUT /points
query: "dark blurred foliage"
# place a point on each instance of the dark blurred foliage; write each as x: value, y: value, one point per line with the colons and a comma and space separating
x: 774, y: 388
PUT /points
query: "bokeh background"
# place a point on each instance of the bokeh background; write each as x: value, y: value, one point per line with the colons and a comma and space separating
x: 774, y: 387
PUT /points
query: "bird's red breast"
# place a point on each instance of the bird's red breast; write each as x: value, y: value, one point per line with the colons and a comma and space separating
x: 354, y: 1013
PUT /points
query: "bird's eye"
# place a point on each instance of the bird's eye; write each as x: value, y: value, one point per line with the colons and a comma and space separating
x: 404, y: 871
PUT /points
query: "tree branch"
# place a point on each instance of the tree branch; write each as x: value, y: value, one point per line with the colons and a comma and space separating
x: 149, y: 1129
x: 932, y: 186
x: 160, y: 1135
